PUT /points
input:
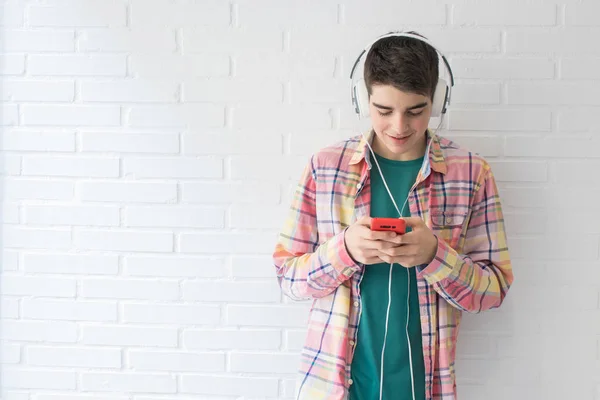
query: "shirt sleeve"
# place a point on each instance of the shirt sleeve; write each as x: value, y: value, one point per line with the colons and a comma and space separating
x: 479, y: 279
x: 306, y: 268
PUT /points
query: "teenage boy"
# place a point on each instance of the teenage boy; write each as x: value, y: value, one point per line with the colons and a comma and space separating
x: 381, y: 295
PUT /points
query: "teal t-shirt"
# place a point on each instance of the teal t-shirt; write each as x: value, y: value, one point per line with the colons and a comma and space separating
x: 366, y: 364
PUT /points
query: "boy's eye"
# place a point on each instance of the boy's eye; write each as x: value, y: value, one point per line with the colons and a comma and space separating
x: 416, y: 113
x: 384, y: 114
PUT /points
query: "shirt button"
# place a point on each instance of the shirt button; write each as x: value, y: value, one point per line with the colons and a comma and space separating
x: 448, y: 220
x: 358, y: 185
x: 350, y: 381
x: 352, y: 343
x: 356, y: 304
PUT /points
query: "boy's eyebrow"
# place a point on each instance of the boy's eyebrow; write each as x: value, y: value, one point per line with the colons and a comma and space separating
x: 408, y: 109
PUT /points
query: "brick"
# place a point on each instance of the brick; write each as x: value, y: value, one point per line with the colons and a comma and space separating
x: 189, y: 66
x: 581, y: 119
x: 70, y: 115
x: 176, y: 167
x: 295, y: 339
x: 179, y: 13
x: 118, y: 335
x: 19, y: 140
x: 284, y: 66
x: 123, y: 240
x: 503, y: 68
x: 384, y: 13
x: 226, y: 192
x: 39, y: 331
x: 580, y: 68
x: 143, y: 360
x: 95, y: 167
x: 32, y: 238
x: 251, y: 13
x: 226, y: 339
x: 520, y: 171
x: 247, y: 216
x: 229, y: 386
x: 11, y: 353
x: 184, y: 115
x: 71, y: 264
x: 127, y: 91
x: 37, y: 91
x: 12, y: 15
x: 252, y: 266
x: 73, y: 357
x: 565, y: 41
x: 232, y: 292
x: 171, y: 314
x: 126, y: 40
x: 38, y: 41
x: 128, y: 382
x: 264, y: 363
x: 263, y: 315
x: 69, y: 310
x: 505, y: 14
x: 38, y: 286
x: 129, y: 289
x: 9, y: 115
x: 91, y: 65
x: 12, y: 64
x: 319, y: 91
x: 9, y: 308
x: 168, y: 216
x: 551, y: 146
x: 231, y: 143
x: 21, y: 189
x: 174, y: 266
x: 227, y: 243
x: 232, y: 90
x: 129, y: 142
x: 581, y: 248
x: 500, y: 120
x: 581, y: 14
x: 554, y: 94
x: 72, y: 215
x: 127, y: 192
x: 231, y: 40
x: 572, y: 173
x: 476, y: 93
x: 307, y: 116
x: 251, y: 168
x: 38, y: 379
x: 10, y: 260
x: 85, y: 13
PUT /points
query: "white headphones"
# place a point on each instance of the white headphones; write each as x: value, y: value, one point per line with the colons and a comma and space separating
x: 441, y: 96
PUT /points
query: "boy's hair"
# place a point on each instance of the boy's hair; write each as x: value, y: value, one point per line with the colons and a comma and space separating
x: 408, y: 64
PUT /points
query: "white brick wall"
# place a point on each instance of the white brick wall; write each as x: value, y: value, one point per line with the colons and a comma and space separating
x: 149, y: 152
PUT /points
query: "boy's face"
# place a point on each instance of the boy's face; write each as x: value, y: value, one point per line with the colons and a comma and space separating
x: 400, y: 121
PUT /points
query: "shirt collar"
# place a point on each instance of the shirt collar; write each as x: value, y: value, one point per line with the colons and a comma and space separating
x: 435, y: 158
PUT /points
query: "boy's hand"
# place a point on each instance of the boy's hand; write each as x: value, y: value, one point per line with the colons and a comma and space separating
x: 413, y: 248
x: 364, y: 245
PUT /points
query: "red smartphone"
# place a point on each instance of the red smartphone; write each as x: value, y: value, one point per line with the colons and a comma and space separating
x: 389, y: 224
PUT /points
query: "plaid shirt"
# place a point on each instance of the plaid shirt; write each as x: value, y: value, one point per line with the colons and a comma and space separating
x: 455, y: 194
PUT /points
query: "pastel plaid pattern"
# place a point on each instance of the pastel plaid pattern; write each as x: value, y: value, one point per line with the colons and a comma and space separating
x: 457, y: 197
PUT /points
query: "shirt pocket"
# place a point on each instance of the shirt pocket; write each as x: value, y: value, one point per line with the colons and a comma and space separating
x: 449, y: 225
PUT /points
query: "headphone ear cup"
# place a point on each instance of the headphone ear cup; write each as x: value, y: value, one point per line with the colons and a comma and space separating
x: 440, y: 98
x: 362, y: 98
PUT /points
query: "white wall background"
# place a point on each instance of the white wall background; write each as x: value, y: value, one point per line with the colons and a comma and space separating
x: 149, y: 152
